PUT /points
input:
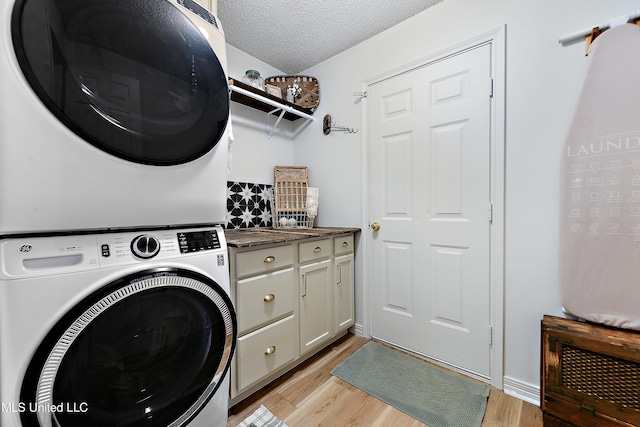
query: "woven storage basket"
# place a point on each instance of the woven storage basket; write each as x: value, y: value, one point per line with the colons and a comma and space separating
x: 288, y: 203
x: 309, y: 96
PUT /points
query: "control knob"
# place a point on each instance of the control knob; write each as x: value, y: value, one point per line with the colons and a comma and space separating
x: 145, y: 246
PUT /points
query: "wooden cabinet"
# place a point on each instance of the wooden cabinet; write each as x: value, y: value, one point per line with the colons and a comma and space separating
x: 590, y: 374
x: 291, y: 300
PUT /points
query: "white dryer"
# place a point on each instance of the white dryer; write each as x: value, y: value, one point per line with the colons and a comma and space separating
x: 113, y: 114
x: 129, y: 329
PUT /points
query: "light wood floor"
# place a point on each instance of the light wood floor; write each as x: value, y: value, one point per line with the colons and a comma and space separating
x: 310, y: 396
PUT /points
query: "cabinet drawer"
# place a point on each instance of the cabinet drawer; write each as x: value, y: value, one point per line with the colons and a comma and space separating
x: 264, y: 351
x: 261, y: 299
x: 343, y: 245
x: 263, y: 260
x: 317, y: 249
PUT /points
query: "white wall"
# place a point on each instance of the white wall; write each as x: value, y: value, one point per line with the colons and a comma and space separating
x: 543, y: 82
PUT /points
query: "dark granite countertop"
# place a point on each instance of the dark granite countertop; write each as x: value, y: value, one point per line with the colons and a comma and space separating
x: 248, y: 237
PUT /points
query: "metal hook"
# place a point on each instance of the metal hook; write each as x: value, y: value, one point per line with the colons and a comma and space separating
x: 328, y: 126
x: 360, y: 95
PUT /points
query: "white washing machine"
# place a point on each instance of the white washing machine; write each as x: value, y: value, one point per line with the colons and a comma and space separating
x: 129, y: 329
x: 113, y: 114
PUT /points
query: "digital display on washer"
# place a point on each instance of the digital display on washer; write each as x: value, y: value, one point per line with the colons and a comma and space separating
x: 195, y: 241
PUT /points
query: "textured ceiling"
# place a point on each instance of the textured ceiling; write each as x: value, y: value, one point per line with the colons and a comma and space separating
x: 293, y: 36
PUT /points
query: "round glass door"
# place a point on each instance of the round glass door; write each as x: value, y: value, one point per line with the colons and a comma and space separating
x: 149, y: 350
x: 138, y: 80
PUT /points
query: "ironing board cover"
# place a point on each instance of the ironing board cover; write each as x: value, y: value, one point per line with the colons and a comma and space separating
x: 600, y: 193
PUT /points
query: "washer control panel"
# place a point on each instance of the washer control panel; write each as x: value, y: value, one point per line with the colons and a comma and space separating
x: 33, y: 256
x: 145, y: 246
x: 159, y: 244
x: 194, y: 241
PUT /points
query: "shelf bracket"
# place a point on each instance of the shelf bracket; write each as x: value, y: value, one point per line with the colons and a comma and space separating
x: 271, y: 129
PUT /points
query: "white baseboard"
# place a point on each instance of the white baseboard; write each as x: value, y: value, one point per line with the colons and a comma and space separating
x: 523, y: 391
x: 357, y: 330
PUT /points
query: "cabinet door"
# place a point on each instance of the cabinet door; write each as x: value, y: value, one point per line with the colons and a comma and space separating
x: 316, y: 313
x: 344, y: 292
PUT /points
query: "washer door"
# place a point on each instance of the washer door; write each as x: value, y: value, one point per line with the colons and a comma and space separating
x: 148, y: 350
x: 137, y: 79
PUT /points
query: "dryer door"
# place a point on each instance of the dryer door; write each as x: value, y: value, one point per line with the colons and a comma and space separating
x: 138, y: 79
x: 148, y: 350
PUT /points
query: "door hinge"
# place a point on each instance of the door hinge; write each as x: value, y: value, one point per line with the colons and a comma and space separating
x: 491, y: 90
x: 490, y: 213
x: 490, y: 335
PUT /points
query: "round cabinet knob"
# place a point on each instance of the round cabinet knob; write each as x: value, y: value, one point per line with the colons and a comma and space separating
x: 145, y: 246
x: 375, y: 226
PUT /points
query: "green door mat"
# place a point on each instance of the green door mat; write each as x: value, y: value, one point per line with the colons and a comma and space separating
x: 429, y: 394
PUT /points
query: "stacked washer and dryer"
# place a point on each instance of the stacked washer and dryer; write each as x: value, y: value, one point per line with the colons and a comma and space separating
x: 114, y: 279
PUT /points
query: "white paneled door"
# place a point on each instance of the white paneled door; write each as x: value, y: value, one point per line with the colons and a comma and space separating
x: 429, y: 194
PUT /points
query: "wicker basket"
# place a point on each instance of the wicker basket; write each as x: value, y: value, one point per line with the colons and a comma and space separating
x: 289, y: 198
x: 309, y: 96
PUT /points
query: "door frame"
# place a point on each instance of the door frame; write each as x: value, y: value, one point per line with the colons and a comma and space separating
x: 497, y: 40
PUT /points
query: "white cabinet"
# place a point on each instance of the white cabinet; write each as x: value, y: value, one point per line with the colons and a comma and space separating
x: 315, y: 250
x: 264, y: 298
x: 264, y: 351
x: 267, y: 323
x: 344, y: 293
x: 291, y: 299
x: 316, y: 308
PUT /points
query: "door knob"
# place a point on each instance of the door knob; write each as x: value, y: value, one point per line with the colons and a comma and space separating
x: 375, y: 226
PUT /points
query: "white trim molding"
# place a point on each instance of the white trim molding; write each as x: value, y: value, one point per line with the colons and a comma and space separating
x: 523, y: 391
